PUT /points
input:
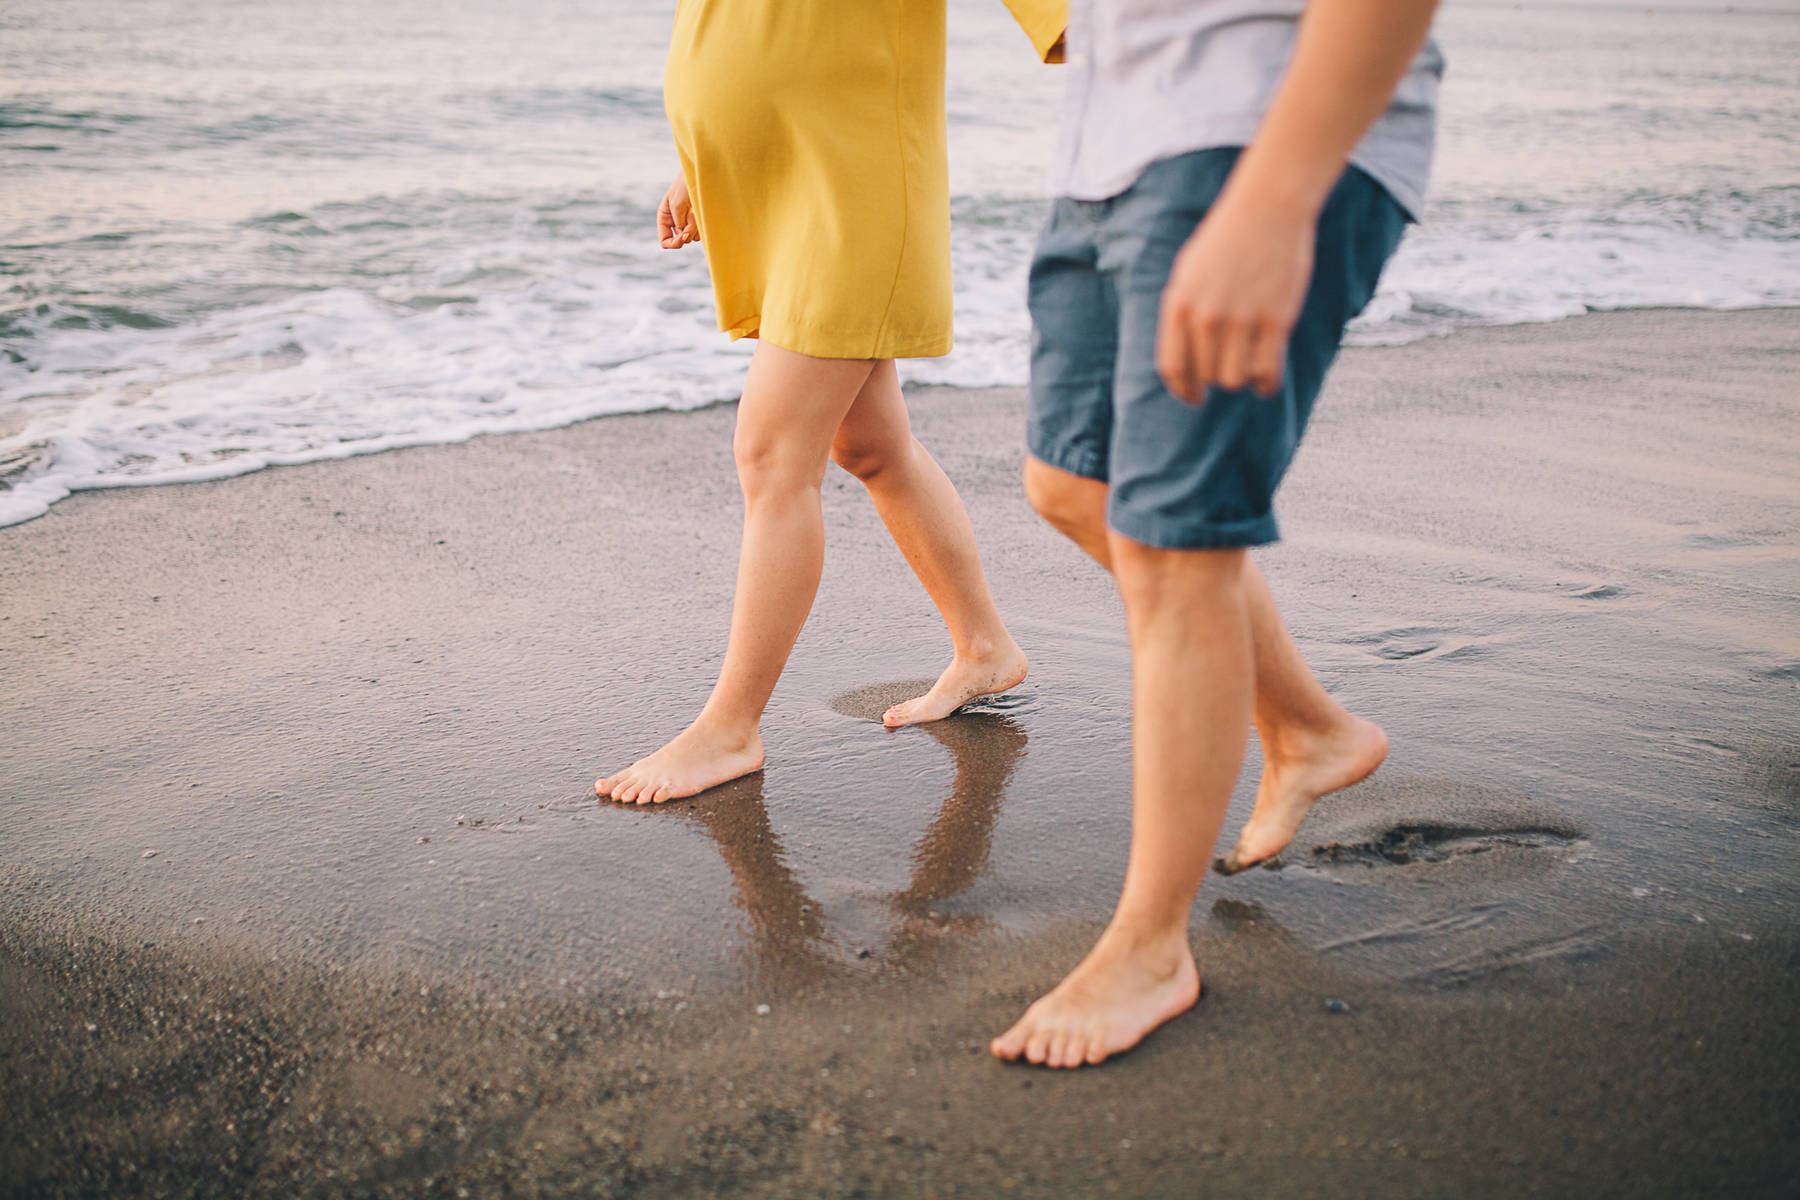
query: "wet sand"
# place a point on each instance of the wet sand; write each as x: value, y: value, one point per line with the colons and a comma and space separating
x: 303, y: 890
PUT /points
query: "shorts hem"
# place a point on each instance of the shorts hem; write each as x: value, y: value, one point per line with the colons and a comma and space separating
x: 1166, y: 534
x: 1083, y: 463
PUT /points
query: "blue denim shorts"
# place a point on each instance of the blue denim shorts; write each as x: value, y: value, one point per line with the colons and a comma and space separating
x: 1180, y: 476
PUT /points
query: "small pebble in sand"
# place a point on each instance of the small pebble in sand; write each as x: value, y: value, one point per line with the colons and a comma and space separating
x: 1334, y: 1005
x: 149, y: 854
x: 762, y: 1010
x: 1640, y: 893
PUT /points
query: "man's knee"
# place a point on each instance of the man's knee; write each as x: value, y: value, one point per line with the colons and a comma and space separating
x: 1071, y: 503
x: 1154, y: 576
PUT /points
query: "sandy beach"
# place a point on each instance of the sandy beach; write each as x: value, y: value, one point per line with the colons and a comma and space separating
x: 304, y: 891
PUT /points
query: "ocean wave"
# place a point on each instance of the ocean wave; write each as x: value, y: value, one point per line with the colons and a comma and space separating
x: 235, y: 237
x: 432, y: 318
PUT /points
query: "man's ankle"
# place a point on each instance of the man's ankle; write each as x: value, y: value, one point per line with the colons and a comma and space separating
x: 1289, y: 739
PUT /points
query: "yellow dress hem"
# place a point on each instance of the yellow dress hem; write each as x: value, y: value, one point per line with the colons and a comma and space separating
x: 820, y: 342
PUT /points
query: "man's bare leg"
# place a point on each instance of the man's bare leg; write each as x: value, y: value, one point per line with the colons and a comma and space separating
x: 1193, y: 689
x: 922, y: 511
x: 1312, y: 745
x: 791, y: 407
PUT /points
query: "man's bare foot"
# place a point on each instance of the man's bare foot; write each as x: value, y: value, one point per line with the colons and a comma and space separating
x: 1291, y: 783
x: 698, y: 758
x: 962, y: 681
x: 1122, y: 990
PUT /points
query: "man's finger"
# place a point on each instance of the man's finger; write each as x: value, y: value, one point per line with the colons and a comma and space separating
x: 1268, y: 358
x: 1233, y: 362
x: 1203, y: 334
x: 1172, y: 359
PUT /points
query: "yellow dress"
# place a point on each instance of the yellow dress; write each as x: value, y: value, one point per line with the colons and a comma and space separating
x: 811, y: 136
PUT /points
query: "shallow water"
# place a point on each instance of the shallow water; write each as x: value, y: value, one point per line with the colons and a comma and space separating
x: 348, y: 714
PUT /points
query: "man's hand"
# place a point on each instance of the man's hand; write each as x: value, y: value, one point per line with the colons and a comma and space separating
x: 1236, y: 288
x: 676, y: 225
x: 1233, y: 296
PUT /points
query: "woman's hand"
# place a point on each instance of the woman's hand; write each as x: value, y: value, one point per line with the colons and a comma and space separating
x: 675, y: 222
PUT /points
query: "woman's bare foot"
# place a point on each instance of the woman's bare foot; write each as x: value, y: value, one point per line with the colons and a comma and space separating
x: 699, y: 757
x: 1123, y: 989
x: 962, y: 681
x: 1291, y: 783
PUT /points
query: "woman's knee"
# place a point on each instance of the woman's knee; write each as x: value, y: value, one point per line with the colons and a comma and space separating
x: 769, y: 462
x: 866, y: 457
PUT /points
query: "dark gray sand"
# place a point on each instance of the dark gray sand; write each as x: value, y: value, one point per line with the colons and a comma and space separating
x: 303, y: 890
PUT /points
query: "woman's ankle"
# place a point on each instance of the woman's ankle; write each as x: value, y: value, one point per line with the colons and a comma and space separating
x: 730, y: 732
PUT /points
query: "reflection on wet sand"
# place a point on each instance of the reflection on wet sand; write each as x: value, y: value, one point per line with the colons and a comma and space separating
x: 787, y: 929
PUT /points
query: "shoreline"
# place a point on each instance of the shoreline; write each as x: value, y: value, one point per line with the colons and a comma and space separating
x: 225, y: 469
x: 293, y: 746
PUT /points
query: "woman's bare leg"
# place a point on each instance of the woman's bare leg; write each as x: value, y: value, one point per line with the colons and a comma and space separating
x: 790, y: 411
x: 922, y: 511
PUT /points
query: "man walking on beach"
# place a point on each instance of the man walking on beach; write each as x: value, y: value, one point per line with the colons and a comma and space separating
x: 1207, y: 248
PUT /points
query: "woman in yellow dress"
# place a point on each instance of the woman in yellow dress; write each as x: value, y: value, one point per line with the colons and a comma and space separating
x: 814, y: 173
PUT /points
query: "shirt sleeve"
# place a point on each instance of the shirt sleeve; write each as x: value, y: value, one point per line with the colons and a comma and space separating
x: 1044, y: 22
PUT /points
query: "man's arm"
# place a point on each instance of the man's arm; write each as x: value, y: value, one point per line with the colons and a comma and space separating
x: 1237, y: 286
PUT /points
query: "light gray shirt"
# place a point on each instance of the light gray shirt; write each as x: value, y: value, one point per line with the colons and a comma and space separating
x: 1150, y: 79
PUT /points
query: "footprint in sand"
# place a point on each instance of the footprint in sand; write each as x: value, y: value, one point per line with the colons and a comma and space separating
x: 1785, y: 673
x: 1420, y: 642
x: 1578, y: 946
x: 1410, y: 821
